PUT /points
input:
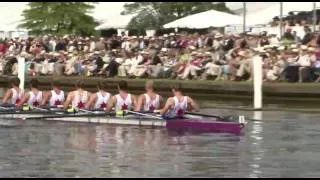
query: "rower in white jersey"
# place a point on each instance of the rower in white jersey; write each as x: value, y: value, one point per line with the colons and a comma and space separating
x: 123, y: 100
x: 55, y: 97
x: 176, y: 106
x: 150, y: 101
x: 78, y: 98
x: 34, y: 97
x: 15, y: 94
x: 100, y: 99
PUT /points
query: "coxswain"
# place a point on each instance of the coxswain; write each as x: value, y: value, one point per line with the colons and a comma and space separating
x: 55, y: 97
x: 123, y: 100
x: 34, y: 97
x: 15, y: 94
x: 150, y: 101
x: 100, y: 99
x: 78, y: 98
x: 176, y: 106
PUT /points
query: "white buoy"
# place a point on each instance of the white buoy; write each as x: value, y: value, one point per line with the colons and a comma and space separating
x: 21, y: 71
x: 257, y: 82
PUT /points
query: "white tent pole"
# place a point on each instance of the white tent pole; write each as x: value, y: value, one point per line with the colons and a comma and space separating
x: 281, y: 19
x: 244, y: 16
x: 314, y: 16
x: 21, y: 71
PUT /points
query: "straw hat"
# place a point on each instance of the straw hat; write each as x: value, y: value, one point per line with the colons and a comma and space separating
x: 311, y: 49
x: 140, y: 37
x: 114, y: 50
x: 295, y: 50
x: 96, y: 52
x: 171, y: 34
x: 192, y: 47
x: 199, y: 55
x: 208, y: 53
x: 304, y: 47
x: 293, y: 46
x: 164, y: 49
x: 241, y: 53
x: 165, y: 35
x: 218, y: 35
x: 193, y: 53
x: 281, y: 48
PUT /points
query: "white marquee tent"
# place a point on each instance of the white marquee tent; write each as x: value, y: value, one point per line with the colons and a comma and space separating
x: 205, y: 19
x: 117, y: 22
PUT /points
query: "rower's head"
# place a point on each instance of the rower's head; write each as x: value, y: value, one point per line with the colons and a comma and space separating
x: 123, y: 85
x: 34, y: 83
x: 80, y: 84
x: 102, y: 85
x: 176, y: 89
x: 55, y: 84
x: 15, y: 82
x: 149, y: 86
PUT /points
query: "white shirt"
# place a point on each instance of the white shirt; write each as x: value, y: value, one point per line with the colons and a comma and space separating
x: 102, y: 100
x: 16, y: 96
x: 151, y: 104
x: 179, y: 108
x: 304, y: 60
x: 35, y: 99
x: 123, y: 104
x: 56, y: 99
x: 79, y: 101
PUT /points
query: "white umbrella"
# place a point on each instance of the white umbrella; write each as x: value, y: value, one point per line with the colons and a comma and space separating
x: 205, y: 19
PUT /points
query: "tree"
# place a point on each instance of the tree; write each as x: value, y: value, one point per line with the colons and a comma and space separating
x: 155, y: 14
x: 58, y: 18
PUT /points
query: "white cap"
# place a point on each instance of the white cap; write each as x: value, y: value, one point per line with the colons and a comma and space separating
x: 171, y: 34
x: 114, y: 50
x: 192, y: 47
x: 165, y: 35
x: 295, y: 50
x: 96, y: 52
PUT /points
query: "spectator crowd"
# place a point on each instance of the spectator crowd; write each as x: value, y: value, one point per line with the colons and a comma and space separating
x: 182, y: 56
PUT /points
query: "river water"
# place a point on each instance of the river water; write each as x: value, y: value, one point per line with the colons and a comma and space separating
x: 281, y: 144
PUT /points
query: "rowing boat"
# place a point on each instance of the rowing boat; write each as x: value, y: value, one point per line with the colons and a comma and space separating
x: 189, y: 122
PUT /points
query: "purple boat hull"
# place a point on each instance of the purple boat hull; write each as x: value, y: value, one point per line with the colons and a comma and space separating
x: 205, y: 126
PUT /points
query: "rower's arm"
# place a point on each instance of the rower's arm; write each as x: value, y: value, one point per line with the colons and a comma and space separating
x: 24, y: 100
x: 92, y: 100
x: 46, y: 98
x: 112, y: 103
x: 161, y: 102
x: 134, y: 100
x: 193, y: 104
x: 140, y: 103
x: 68, y: 101
x: 7, y: 97
x: 167, y: 106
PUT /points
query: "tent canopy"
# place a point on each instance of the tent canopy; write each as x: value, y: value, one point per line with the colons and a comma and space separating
x: 205, y: 19
x: 265, y: 16
x: 117, y: 22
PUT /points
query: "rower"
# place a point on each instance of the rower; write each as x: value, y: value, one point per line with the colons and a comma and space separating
x: 149, y: 101
x: 176, y: 106
x: 15, y: 94
x: 55, y: 97
x: 78, y: 98
x: 123, y: 100
x: 100, y: 99
x: 34, y: 97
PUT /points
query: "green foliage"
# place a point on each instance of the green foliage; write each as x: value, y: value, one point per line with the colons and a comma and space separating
x: 58, y: 18
x: 152, y: 15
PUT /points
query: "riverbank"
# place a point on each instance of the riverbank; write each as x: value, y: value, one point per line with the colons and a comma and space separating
x: 309, y: 92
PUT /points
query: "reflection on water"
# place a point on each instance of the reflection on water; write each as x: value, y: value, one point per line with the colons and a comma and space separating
x: 282, y: 144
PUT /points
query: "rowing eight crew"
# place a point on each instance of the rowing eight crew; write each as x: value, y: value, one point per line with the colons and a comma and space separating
x: 150, y: 101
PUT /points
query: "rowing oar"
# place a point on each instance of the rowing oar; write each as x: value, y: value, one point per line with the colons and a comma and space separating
x: 70, y: 115
x: 142, y: 114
